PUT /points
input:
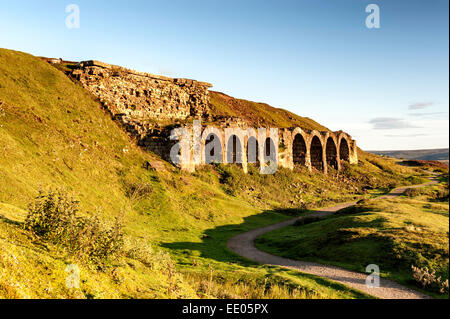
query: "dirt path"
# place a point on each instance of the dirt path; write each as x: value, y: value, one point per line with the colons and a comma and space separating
x: 243, y: 244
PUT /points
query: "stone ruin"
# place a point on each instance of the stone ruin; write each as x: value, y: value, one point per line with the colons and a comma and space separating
x: 288, y: 147
x: 150, y: 106
x: 142, y: 101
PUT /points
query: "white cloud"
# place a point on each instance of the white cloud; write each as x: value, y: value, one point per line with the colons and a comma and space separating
x: 390, y: 123
x: 420, y: 105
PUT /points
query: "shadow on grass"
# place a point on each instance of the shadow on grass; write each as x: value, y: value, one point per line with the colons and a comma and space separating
x: 10, y: 221
x: 213, y: 245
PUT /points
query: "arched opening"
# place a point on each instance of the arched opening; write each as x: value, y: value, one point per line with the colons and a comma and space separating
x: 213, y: 149
x: 252, y: 150
x: 299, y: 150
x: 344, y: 150
x: 269, y: 150
x: 316, y: 154
x: 331, y: 152
x: 234, y: 150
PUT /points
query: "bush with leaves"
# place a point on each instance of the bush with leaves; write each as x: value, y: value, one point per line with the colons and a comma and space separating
x: 441, y: 194
x: 307, y: 220
x: 428, y: 279
x: 414, y: 192
x: 52, y: 216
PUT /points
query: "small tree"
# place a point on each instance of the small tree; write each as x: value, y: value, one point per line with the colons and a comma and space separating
x: 53, y: 216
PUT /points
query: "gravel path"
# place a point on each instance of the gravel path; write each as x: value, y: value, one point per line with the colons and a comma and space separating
x: 243, y: 244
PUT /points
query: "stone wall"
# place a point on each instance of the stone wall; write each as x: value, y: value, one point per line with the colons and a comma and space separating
x: 142, y: 101
x: 150, y: 106
x: 293, y: 147
x: 317, y: 150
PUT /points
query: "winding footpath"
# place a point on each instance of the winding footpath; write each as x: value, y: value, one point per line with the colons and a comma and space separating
x: 243, y: 245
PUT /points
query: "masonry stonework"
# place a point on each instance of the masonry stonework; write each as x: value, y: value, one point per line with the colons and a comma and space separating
x: 140, y: 100
x: 150, y: 106
x: 293, y: 147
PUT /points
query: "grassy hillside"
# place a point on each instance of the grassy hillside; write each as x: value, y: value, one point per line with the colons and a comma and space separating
x: 53, y: 134
x: 259, y: 114
x: 394, y: 233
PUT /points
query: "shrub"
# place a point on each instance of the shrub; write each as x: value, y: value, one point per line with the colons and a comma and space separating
x: 441, y: 194
x: 415, y: 180
x: 307, y: 220
x: 138, y: 190
x: 428, y: 280
x: 362, y: 206
x: 413, y: 192
x: 52, y: 216
x: 142, y: 251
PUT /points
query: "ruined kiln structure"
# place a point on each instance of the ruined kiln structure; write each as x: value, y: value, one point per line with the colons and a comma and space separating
x: 288, y: 147
x: 141, y: 100
x: 150, y: 106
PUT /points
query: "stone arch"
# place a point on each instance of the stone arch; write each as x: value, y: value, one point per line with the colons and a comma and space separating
x: 331, y: 153
x: 235, y: 140
x: 299, y: 150
x: 344, y: 149
x: 217, y: 143
x: 316, y: 152
x: 212, y: 149
x: 269, y: 150
x: 234, y: 150
x: 252, y: 150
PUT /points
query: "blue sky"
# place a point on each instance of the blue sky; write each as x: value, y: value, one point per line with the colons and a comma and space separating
x: 387, y: 87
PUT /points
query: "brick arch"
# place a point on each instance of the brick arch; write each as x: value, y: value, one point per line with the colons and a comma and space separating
x: 207, y: 133
x: 299, y: 148
x: 234, y: 147
x: 252, y: 150
x: 344, y: 148
x: 252, y: 146
x: 316, y: 151
x: 331, y: 152
x: 269, y: 149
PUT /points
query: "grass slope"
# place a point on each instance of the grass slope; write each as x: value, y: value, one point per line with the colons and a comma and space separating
x: 394, y: 233
x: 259, y: 114
x: 54, y: 134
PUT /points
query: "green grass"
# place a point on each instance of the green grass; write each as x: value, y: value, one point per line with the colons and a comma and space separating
x: 199, y: 253
x: 259, y: 114
x: 55, y: 134
x: 393, y: 233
